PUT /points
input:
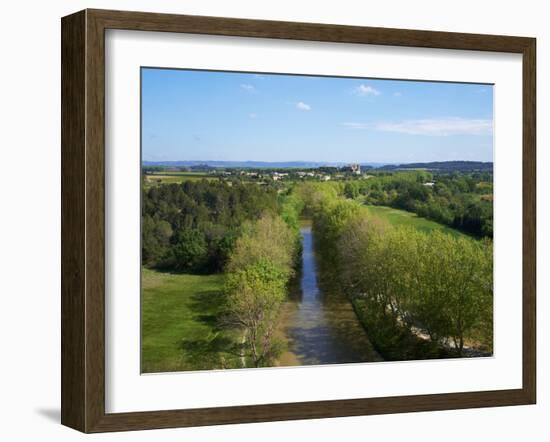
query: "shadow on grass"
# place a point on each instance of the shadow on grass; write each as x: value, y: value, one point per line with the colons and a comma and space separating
x: 207, y: 307
x: 216, y: 348
x: 212, y: 352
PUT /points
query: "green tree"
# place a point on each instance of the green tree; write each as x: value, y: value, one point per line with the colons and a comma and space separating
x: 254, y: 296
x: 351, y: 190
x: 190, y: 251
x: 267, y: 238
x: 156, y: 236
x: 466, y: 282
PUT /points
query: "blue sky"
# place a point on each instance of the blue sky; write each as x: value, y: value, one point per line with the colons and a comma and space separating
x: 202, y: 115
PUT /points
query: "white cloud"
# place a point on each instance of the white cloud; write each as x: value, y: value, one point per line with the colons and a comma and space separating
x: 248, y: 88
x: 365, y: 90
x: 397, y: 94
x: 432, y: 127
x: 303, y: 106
x: 354, y: 125
x: 439, y: 127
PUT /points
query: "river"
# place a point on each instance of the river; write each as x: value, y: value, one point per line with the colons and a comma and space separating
x: 318, y: 322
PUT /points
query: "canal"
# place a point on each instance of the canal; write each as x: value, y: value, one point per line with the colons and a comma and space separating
x: 318, y: 322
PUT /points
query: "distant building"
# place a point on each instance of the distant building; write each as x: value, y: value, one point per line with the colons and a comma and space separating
x: 352, y: 168
x: 278, y: 175
x: 430, y: 184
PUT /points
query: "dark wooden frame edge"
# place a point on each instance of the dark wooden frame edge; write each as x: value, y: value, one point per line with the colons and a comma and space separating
x: 83, y: 215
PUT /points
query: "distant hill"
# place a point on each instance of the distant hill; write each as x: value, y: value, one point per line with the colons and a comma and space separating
x: 254, y: 164
x: 443, y: 166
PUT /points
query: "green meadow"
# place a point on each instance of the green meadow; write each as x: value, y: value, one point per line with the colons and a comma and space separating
x: 398, y: 217
x: 180, y: 323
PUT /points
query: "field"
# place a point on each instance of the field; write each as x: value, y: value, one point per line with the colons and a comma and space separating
x: 179, y: 323
x: 176, y: 177
x: 403, y: 218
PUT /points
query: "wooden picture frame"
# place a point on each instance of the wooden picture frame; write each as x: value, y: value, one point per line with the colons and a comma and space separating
x: 83, y: 220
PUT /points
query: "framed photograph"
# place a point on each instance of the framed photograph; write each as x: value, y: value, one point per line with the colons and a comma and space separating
x: 270, y: 220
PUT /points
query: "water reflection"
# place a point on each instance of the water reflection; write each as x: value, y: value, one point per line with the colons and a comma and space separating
x: 318, y: 322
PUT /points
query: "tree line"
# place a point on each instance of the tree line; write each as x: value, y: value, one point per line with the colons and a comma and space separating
x: 193, y: 226
x: 258, y: 272
x: 463, y: 201
x: 403, y: 282
x: 257, y: 276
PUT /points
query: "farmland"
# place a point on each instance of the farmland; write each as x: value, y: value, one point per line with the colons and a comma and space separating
x: 165, y: 177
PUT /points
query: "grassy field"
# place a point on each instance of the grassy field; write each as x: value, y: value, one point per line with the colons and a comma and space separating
x: 180, y: 324
x: 176, y: 177
x: 403, y: 218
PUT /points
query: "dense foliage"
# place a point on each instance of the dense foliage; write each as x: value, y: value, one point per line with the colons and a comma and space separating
x: 192, y: 226
x: 258, y: 272
x: 460, y: 200
x: 404, y: 283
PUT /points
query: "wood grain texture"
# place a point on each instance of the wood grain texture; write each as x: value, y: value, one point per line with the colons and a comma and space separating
x: 83, y: 219
x: 144, y: 21
x: 529, y: 221
x: 95, y: 222
x: 73, y: 252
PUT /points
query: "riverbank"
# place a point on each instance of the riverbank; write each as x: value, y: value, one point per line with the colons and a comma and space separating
x: 317, y: 323
x: 401, y: 344
x: 396, y: 343
x: 402, y: 274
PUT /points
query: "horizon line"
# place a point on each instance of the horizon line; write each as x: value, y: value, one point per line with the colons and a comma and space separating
x: 313, y: 161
